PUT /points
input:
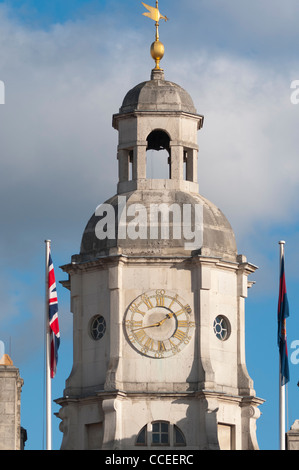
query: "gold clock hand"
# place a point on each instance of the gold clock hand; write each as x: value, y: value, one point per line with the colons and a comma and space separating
x: 149, y: 326
x: 162, y: 321
x: 169, y: 315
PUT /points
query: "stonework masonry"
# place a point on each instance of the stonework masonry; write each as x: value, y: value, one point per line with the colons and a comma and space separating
x: 159, y: 327
x: 292, y: 437
x: 10, y: 405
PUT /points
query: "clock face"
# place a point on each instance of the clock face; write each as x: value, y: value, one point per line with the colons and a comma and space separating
x: 159, y: 323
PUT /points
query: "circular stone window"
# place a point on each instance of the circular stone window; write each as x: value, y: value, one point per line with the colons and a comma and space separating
x: 221, y: 327
x: 97, y: 327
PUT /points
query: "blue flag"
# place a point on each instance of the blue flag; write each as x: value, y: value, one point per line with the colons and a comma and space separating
x: 283, y: 313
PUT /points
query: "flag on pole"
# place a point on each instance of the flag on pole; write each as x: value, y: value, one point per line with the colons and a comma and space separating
x: 283, y: 313
x: 53, y: 318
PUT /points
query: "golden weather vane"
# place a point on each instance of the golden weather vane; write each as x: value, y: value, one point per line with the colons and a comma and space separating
x: 157, y: 48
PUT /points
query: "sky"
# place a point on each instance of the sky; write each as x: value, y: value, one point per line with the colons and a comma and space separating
x: 66, y: 66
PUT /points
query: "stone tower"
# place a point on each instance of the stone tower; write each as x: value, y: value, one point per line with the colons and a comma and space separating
x: 158, y: 295
x: 11, y: 435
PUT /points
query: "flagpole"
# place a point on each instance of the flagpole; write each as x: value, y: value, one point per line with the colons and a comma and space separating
x: 281, y: 387
x: 48, y: 370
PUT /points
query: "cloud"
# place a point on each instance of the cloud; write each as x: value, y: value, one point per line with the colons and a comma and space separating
x: 58, y: 148
x: 248, y: 145
x: 57, y: 155
x: 63, y: 85
x: 266, y: 31
x: 64, y: 78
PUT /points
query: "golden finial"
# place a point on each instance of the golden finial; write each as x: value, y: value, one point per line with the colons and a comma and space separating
x: 157, y: 48
x: 6, y: 360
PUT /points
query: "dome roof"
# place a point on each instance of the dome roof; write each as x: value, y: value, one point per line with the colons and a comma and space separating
x: 218, y: 237
x: 157, y: 95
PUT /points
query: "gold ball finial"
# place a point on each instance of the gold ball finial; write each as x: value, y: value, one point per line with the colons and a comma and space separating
x: 157, y: 48
x: 157, y: 52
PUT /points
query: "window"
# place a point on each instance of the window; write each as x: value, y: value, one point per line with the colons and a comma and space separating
x: 179, y: 438
x: 221, y: 327
x: 130, y: 172
x: 141, y: 438
x: 97, y: 327
x: 158, y: 155
x: 160, y: 433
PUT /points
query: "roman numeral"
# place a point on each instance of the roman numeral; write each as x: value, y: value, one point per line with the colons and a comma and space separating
x: 180, y: 335
x: 160, y: 298
x: 136, y: 324
x: 149, y: 343
x: 147, y: 302
x: 135, y: 309
x: 179, y: 312
x: 186, y: 309
x: 175, y: 349
x: 140, y: 335
x: 173, y: 300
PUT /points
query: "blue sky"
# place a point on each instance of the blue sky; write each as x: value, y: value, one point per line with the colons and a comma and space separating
x: 66, y: 66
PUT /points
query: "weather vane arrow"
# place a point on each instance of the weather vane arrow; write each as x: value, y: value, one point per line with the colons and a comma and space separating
x: 154, y: 13
x: 157, y: 48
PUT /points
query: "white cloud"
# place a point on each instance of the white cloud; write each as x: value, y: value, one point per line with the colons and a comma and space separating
x: 58, y: 148
x: 63, y: 85
x: 248, y: 161
x: 266, y: 31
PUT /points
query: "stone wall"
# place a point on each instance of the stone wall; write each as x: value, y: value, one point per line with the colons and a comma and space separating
x: 10, y: 405
x: 292, y: 437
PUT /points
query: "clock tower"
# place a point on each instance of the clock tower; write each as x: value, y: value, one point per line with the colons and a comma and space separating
x: 158, y: 298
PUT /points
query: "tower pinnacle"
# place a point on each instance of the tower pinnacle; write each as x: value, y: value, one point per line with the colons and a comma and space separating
x: 157, y: 48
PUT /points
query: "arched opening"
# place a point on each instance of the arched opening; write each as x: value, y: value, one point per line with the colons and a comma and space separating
x: 160, y: 433
x: 130, y: 172
x: 158, y: 155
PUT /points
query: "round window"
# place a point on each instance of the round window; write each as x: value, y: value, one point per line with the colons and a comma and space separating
x: 97, y: 327
x: 221, y: 327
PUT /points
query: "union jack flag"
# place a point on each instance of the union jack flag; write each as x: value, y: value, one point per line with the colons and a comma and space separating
x: 53, y: 318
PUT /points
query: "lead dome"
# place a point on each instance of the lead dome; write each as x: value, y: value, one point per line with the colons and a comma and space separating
x: 218, y: 236
x: 157, y: 94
